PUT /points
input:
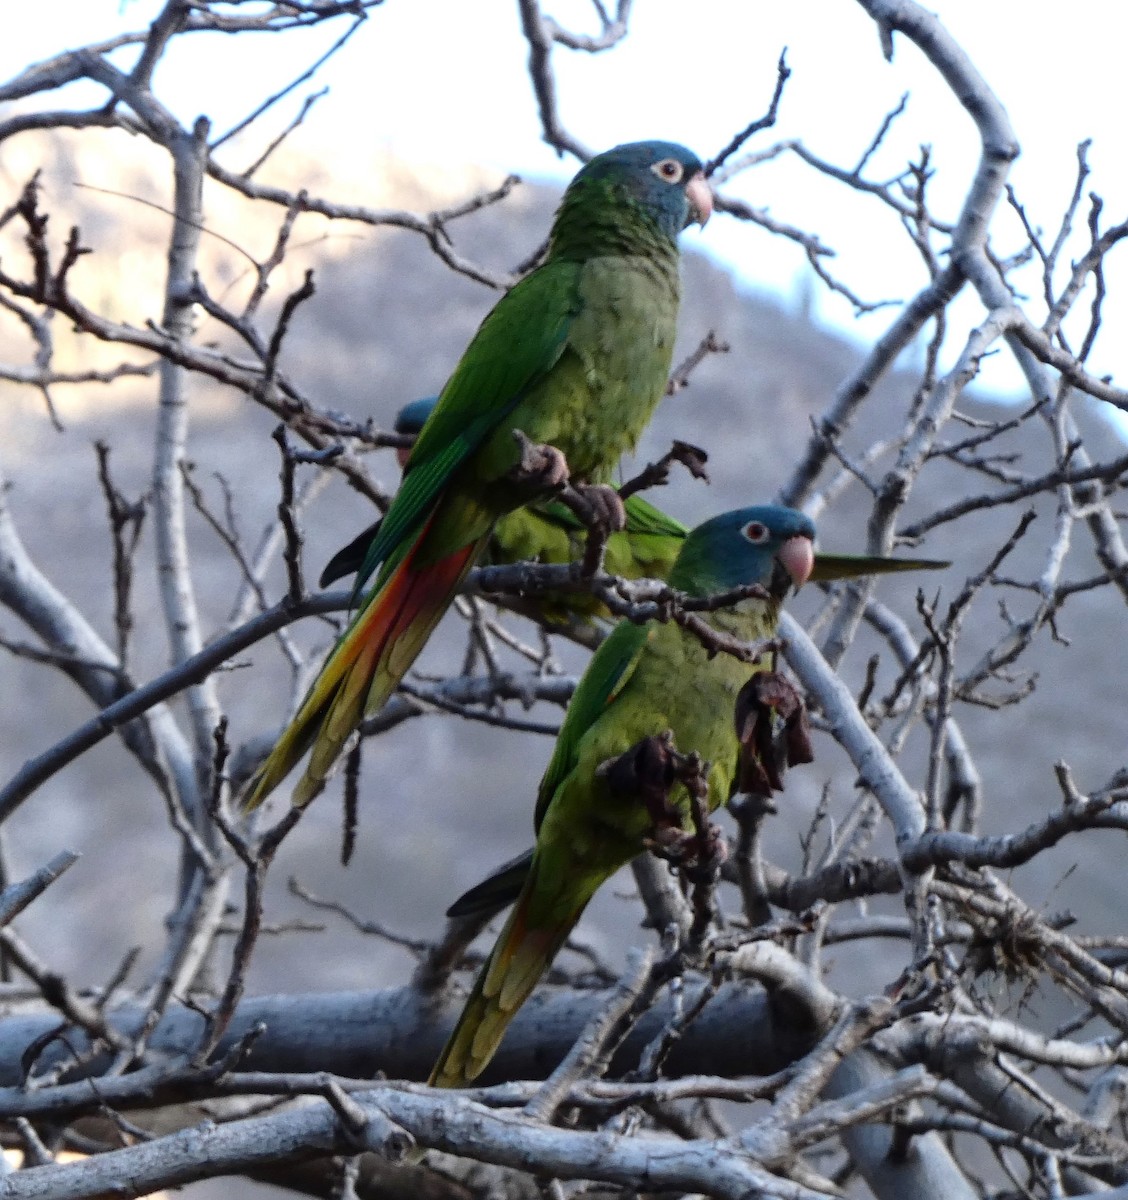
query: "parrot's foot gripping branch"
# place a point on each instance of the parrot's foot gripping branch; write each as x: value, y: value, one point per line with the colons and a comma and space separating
x: 602, y: 512
x: 543, y: 468
x: 540, y: 468
x: 649, y: 770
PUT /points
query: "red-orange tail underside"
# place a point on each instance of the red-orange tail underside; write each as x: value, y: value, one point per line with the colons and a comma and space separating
x: 519, y: 958
x: 364, y: 667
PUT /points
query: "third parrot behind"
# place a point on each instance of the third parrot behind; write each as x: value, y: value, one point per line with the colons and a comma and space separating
x: 546, y: 531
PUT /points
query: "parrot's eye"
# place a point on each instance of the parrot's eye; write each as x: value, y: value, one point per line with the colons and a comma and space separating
x: 669, y: 169
x: 757, y: 533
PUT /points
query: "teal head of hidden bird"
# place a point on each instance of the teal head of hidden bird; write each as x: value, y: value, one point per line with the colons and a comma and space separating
x: 545, y: 531
x: 575, y: 356
x: 643, y: 681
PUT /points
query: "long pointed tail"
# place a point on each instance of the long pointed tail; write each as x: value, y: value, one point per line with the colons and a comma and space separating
x: 364, y: 668
x: 851, y: 566
x: 519, y: 958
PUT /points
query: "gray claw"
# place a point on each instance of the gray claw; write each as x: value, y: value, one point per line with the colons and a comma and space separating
x: 607, y: 506
x: 540, y: 467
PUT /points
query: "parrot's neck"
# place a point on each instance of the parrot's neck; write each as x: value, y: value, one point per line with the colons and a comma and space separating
x: 748, y: 619
x: 584, y: 230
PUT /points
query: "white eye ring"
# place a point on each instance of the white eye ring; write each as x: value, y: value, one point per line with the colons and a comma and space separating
x: 756, y: 532
x: 669, y: 170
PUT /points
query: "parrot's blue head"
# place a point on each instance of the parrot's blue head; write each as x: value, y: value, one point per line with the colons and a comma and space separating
x: 764, y: 544
x: 412, y: 417
x: 662, y: 180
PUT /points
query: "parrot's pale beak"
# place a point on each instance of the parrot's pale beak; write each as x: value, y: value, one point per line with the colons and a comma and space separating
x: 700, y: 197
x: 797, y: 555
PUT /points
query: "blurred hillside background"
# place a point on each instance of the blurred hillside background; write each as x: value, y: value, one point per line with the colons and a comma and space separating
x: 445, y: 799
x: 430, y: 105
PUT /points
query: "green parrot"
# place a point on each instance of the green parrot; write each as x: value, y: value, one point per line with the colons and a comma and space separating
x: 545, y: 531
x: 643, y: 680
x: 575, y: 356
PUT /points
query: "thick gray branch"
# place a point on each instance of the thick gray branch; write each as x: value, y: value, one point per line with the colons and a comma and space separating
x: 400, y: 1032
x: 173, y: 563
x: 901, y: 804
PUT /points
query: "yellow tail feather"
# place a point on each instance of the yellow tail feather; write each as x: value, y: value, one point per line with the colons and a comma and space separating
x: 518, y: 960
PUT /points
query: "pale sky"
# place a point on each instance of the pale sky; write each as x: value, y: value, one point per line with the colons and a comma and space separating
x: 443, y: 81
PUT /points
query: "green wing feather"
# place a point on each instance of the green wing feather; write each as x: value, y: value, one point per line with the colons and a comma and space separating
x: 516, y: 346
x: 643, y: 517
x: 608, y: 673
x: 495, y: 892
x: 610, y: 668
